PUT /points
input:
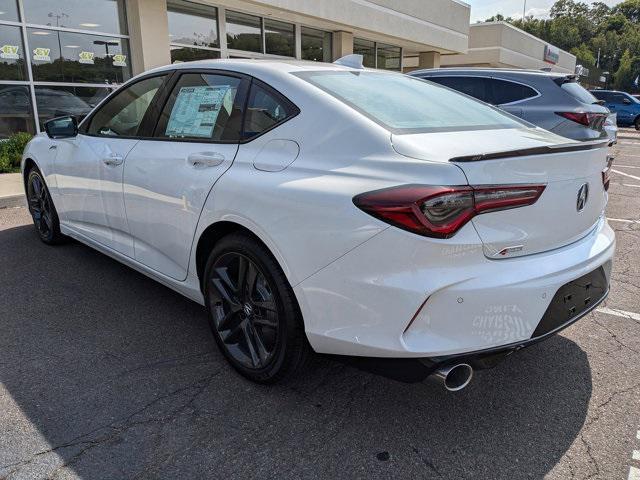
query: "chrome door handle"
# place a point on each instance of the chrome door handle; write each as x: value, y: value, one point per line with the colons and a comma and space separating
x: 113, y: 160
x: 53, y: 147
x: 205, y: 159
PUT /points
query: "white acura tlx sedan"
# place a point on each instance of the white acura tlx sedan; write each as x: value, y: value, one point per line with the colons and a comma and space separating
x: 336, y: 209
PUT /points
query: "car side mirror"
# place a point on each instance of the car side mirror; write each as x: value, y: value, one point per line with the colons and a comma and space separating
x: 626, y: 101
x: 62, y: 127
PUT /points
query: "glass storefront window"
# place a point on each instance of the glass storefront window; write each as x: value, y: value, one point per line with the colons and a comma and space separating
x: 388, y: 57
x: 12, y: 61
x: 183, y: 54
x: 9, y: 10
x: 97, y: 15
x: 279, y: 38
x: 367, y: 49
x: 16, y: 113
x: 78, y: 57
x: 57, y: 101
x: 316, y: 45
x: 193, y: 24
x: 244, y: 32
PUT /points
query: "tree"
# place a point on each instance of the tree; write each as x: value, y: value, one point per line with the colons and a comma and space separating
x: 630, y: 9
x: 584, y: 55
x: 624, y: 76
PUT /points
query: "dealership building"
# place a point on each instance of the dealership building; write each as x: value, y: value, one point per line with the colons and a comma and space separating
x: 61, y: 57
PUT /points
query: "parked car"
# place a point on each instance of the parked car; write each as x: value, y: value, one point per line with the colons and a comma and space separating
x: 327, y: 208
x: 553, y: 101
x: 626, y: 107
x: 611, y: 127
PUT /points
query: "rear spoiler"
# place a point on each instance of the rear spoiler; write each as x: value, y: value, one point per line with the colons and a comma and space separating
x: 526, y: 152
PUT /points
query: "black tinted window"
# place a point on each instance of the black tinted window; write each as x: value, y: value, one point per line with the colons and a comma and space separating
x: 474, y: 87
x: 204, y: 107
x: 123, y: 114
x: 508, y: 92
x: 265, y: 109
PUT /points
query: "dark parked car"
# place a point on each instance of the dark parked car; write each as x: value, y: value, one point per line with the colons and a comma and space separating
x: 553, y: 101
x: 626, y: 106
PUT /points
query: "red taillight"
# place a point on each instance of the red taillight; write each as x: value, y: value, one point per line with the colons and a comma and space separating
x: 606, y: 173
x: 439, y: 211
x: 585, y: 118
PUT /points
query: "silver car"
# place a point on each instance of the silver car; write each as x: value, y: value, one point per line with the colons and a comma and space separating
x: 553, y: 101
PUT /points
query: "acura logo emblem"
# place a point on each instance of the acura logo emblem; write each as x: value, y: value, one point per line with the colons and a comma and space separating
x: 583, y: 196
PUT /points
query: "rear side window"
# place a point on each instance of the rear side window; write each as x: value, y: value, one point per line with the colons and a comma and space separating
x: 476, y: 87
x: 122, y: 115
x: 266, y: 109
x: 579, y: 93
x: 202, y: 107
x: 508, y: 92
x: 404, y: 104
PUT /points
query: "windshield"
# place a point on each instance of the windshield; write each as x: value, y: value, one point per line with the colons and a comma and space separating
x: 405, y: 104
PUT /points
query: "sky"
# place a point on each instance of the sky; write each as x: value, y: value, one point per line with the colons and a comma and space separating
x: 483, y: 9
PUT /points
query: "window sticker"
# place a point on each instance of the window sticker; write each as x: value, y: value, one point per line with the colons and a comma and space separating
x: 9, y: 52
x: 196, y: 111
x: 42, y: 54
x: 119, y: 60
x: 86, y: 57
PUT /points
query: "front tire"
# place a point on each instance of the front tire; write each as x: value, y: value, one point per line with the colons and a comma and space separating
x: 253, y: 312
x: 42, y: 209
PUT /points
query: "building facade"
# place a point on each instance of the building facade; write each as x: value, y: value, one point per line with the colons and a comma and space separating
x: 501, y: 45
x: 60, y: 57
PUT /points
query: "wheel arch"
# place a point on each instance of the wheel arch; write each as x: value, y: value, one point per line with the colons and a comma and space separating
x: 211, y: 235
x: 29, y: 164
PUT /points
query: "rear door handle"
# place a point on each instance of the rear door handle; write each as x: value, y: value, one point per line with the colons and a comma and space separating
x: 113, y: 160
x: 205, y: 159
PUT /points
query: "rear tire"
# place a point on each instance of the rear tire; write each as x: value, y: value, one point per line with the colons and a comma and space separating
x: 253, y: 312
x: 637, y: 123
x: 42, y: 209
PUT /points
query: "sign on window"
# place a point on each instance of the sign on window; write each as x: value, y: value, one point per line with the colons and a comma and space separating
x: 196, y: 111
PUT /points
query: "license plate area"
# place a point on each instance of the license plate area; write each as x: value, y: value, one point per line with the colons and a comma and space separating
x: 575, y: 299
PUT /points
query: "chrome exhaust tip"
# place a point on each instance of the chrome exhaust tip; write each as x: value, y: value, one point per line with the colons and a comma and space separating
x: 454, y: 377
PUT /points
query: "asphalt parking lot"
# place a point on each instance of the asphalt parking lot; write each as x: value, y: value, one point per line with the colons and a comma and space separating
x: 105, y: 374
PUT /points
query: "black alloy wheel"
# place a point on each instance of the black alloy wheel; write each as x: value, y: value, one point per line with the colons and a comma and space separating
x: 253, y: 313
x: 42, y: 209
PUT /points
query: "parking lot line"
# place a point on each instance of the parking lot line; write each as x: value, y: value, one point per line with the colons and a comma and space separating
x: 636, y: 455
x: 634, y: 473
x: 625, y: 174
x: 629, y: 185
x: 627, y: 166
x: 624, y: 220
x: 619, y: 313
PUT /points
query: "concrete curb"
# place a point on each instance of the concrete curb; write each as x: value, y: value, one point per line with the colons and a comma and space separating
x: 12, y: 201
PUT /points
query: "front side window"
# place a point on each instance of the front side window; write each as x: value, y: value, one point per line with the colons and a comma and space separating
x: 509, y: 92
x: 202, y: 107
x: 122, y: 115
x: 404, y: 104
x: 476, y: 87
x: 265, y: 110
x: 244, y: 32
x: 12, y: 58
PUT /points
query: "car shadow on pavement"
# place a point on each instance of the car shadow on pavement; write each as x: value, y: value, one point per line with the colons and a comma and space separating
x: 107, y: 374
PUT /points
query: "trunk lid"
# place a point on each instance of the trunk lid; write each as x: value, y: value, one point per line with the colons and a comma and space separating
x: 523, y: 156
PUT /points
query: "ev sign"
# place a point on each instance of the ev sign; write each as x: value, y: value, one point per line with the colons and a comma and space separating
x: 9, y: 52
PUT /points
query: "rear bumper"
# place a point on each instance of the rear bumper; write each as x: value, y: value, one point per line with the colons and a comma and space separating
x: 402, y: 296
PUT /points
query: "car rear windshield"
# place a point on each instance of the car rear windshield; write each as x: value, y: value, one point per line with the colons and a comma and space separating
x: 405, y: 104
x: 579, y: 93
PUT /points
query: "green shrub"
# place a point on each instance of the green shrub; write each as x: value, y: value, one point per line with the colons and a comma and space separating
x: 11, y: 152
